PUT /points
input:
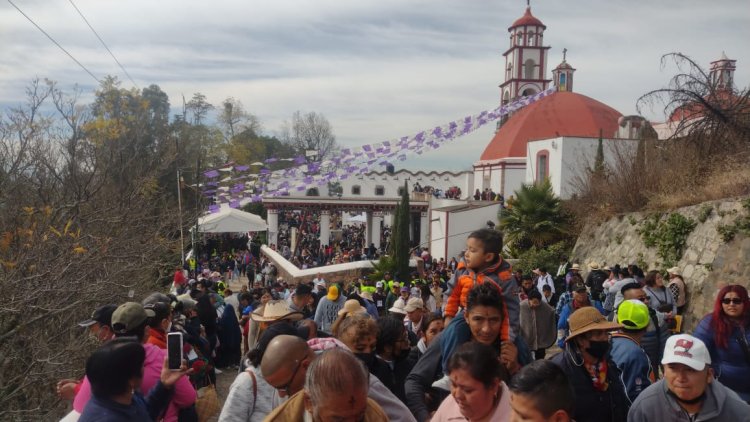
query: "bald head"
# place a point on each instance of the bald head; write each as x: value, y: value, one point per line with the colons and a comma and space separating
x: 336, y: 386
x: 282, y: 351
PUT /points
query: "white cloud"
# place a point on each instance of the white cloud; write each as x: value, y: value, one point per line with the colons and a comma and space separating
x: 376, y: 69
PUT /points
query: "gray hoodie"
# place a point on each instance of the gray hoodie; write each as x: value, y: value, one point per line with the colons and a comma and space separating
x: 655, y: 404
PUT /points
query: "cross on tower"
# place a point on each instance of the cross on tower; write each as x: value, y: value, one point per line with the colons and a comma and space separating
x: 565, y: 53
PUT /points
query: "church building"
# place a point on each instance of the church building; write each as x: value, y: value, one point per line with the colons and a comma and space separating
x: 554, y: 137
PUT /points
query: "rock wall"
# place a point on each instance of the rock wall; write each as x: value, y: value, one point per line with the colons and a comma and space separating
x: 708, y: 262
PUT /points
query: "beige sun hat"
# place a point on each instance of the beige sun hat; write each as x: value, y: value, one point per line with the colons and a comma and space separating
x: 675, y: 271
x: 575, y: 267
x: 276, y: 310
x: 594, y: 265
x: 352, y: 307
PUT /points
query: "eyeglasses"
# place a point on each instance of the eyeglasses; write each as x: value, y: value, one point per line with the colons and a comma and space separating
x: 285, y: 388
x: 732, y: 300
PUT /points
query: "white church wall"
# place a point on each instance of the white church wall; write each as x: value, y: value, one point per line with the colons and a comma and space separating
x: 369, y: 183
x: 570, y: 157
x: 462, y: 223
x: 437, y: 233
x: 515, y: 176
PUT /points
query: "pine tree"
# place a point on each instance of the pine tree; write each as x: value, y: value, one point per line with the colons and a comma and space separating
x: 599, y: 169
x: 400, y: 237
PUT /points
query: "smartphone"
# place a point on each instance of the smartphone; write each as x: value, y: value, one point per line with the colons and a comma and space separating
x: 174, y: 351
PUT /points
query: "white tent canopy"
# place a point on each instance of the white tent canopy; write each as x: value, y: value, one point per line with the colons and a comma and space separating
x: 230, y: 220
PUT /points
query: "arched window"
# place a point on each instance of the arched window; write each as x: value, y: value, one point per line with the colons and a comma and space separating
x: 356, y: 190
x: 379, y: 190
x: 531, y: 39
x: 528, y: 92
x: 542, y: 165
x: 506, y: 97
x: 509, y: 71
x: 312, y: 192
x: 519, y: 38
x: 528, y: 69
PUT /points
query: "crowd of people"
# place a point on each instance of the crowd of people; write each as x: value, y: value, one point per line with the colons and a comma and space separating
x: 464, y: 340
x: 453, y: 192
x: 347, y: 244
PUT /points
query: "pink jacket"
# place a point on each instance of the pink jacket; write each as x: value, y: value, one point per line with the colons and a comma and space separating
x: 184, y: 393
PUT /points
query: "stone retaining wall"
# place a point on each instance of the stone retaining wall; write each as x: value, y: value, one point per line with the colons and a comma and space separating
x: 708, y: 262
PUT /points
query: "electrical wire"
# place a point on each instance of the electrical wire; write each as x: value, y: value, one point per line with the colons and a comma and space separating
x: 55, y: 42
x: 103, y: 43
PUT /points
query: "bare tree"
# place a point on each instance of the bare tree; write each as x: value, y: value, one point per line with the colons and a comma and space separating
x: 72, y: 237
x: 234, y: 119
x: 310, y: 131
x: 198, y: 107
x: 713, y: 117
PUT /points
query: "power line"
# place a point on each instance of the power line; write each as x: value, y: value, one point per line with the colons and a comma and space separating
x: 53, y: 40
x: 103, y: 43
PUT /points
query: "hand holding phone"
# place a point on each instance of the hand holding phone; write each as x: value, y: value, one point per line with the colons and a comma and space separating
x: 174, y: 351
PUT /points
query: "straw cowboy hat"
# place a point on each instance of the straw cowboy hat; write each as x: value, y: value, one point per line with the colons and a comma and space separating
x: 675, y: 271
x: 352, y: 307
x: 275, y: 310
x: 588, y: 319
x: 575, y: 267
x: 594, y: 265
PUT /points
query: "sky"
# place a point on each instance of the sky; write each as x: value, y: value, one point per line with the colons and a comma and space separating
x: 377, y: 69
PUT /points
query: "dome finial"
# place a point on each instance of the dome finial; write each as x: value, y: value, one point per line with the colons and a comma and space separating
x: 565, y: 53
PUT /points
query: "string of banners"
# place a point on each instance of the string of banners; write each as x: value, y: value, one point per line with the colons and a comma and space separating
x: 244, y: 183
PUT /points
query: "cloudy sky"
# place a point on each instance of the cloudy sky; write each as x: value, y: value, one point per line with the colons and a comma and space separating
x: 377, y: 69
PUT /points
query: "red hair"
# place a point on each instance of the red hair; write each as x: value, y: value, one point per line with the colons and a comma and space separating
x: 719, y: 322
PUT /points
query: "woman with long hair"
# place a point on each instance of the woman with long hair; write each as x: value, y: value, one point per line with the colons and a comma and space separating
x: 726, y: 332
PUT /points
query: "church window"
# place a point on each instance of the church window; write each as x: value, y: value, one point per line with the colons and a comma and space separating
x: 519, y: 38
x: 356, y: 190
x: 528, y: 92
x: 532, y: 39
x: 379, y: 190
x: 528, y: 69
x: 312, y: 192
x: 542, y: 166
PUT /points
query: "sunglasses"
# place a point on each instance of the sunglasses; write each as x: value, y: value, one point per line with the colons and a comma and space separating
x: 733, y: 301
x: 288, y: 385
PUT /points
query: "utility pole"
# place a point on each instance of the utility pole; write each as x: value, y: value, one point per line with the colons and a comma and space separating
x: 179, y: 215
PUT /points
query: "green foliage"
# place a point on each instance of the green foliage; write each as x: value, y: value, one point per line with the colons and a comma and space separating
x: 549, y: 257
x: 618, y: 239
x: 384, y: 265
x: 632, y: 220
x: 536, y: 218
x: 726, y: 231
x: 705, y: 212
x: 668, y: 235
x: 400, y: 248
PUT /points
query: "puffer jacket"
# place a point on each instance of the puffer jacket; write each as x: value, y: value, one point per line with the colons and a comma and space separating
x: 730, y: 365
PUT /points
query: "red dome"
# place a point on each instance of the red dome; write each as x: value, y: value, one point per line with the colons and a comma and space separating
x: 560, y: 114
x: 527, y: 19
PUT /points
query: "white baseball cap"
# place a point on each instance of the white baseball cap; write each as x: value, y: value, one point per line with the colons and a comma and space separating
x: 687, y: 350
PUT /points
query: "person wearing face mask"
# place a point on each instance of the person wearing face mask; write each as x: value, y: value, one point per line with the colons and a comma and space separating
x: 588, y: 366
x: 160, y: 324
x: 391, y: 362
x: 99, y: 328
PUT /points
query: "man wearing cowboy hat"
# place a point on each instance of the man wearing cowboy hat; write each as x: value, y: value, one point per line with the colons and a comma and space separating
x: 589, y: 368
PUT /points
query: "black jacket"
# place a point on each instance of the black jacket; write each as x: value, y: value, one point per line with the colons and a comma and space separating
x: 592, y: 405
x: 419, y: 382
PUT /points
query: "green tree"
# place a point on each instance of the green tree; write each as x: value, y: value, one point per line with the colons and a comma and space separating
x: 400, y: 237
x: 536, y: 218
x: 599, y: 170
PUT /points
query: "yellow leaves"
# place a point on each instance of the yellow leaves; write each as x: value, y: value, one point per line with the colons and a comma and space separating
x: 67, y: 226
x: 79, y: 249
x: 55, y: 231
x: 8, y: 265
x: 5, y: 241
x: 47, y: 210
x: 28, y: 210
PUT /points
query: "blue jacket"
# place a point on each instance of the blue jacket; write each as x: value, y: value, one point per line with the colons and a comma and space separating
x: 633, y: 363
x: 730, y: 365
x: 562, y: 324
x: 141, y: 409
